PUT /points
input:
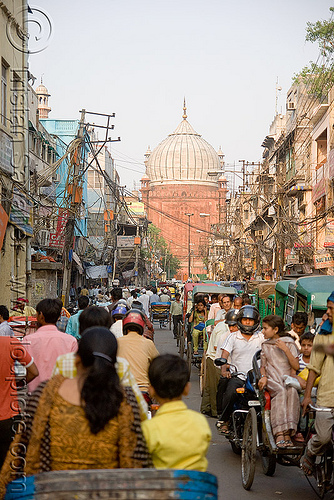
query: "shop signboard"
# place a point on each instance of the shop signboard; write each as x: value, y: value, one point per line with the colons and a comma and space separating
x: 125, y: 241
x: 323, y: 260
x: 329, y: 234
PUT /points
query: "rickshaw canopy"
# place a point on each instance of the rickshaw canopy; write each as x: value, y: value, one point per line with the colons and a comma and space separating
x: 283, y: 286
x: 210, y: 289
x: 316, y: 290
x: 266, y: 289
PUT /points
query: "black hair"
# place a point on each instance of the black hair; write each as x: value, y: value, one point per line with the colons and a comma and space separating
x: 306, y: 336
x: 134, y: 294
x: 300, y: 318
x: 154, y: 290
x: 276, y: 322
x: 4, y: 312
x: 116, y: 293
x: 168, y: 375
x: 246, y: 301
x: 206, y: 296
x: 101, y: 393
x: 225, y: 296
x: 83, y: 301
x: 93, y: 316
x: 214, y: 296
x: 51, y: 309
x: 177, y: 294
x: 200, y: 300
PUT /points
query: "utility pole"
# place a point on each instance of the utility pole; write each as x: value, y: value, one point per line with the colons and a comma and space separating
x: 189, y: 256
x: 137, y: 259
x: 74, y: 193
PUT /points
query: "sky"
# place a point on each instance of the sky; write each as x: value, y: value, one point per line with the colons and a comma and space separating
x: 140, y: 58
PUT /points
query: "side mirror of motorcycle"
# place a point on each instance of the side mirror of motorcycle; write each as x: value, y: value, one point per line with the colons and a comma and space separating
x: 220, y: 361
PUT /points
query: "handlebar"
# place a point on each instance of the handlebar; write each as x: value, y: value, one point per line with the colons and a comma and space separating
x: 322, y: 409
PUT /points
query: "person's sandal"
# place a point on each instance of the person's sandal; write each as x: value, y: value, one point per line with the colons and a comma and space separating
x: 289, y: 443
x: 280, y: 443
x: 307, y: 463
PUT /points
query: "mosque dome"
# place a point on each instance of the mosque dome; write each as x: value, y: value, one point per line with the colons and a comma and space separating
x: 41, y: 89
x: 184, y: 156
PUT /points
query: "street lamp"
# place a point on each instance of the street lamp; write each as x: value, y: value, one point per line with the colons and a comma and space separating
x: 189, y: 215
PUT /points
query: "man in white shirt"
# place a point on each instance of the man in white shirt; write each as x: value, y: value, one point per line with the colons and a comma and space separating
x: 226, y: 303
x: 208, y: 404
x: 5, y: 329
x: 241, y: 346
x: 145, y: 300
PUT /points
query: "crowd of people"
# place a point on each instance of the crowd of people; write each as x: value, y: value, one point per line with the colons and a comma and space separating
x: 83, y: 401
x: 296, y: 369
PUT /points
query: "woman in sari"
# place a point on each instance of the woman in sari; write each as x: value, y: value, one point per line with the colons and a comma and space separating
x: 89, y: 422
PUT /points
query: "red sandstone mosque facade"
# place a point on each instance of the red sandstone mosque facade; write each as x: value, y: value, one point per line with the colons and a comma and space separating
x: 184, y: 194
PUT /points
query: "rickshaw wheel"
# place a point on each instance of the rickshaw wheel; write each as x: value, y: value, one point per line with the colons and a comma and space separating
x: 268, y: 464
x: 248, y: 453
x: 179, y: 334
x: 235, y: 448
x: 202, y: 375
x: 181, y: 345
x: 189, y: 355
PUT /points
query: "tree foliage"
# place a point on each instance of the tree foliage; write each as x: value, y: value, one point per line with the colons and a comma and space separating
x: 158, y: 251
x: 319, y: 78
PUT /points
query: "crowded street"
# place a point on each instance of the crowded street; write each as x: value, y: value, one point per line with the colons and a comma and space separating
x: 288, y: 482
x: 167, y: 250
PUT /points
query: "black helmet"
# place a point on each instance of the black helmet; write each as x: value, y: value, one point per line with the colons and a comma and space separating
x: 231, y: 317
x: 249, y: 312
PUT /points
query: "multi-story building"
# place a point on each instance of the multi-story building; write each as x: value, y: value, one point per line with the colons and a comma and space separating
x: 16, y: 204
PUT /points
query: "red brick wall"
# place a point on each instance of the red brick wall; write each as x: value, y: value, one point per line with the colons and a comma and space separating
x: 176, y: 201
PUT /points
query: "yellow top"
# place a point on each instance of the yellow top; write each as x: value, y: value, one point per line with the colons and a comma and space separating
x: 177, y: 438
x: 323, y: 365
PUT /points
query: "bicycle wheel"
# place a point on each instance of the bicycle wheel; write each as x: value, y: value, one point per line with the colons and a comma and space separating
x: 268, y: 464
x: 202, y: 375
x: 178, y: 334
x: 189, y: 355
x: 248, y: 453
x: 181, y: 345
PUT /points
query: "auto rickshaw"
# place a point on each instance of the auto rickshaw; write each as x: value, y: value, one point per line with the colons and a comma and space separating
x: 309, y: 294
x: 281, y: 296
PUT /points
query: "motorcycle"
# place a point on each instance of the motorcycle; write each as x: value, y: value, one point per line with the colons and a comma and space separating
x: 247, y: 398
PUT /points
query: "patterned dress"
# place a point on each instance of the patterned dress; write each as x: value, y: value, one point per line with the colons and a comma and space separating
x: 285, y: 408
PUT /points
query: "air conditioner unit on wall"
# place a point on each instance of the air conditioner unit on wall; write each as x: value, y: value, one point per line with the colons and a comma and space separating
x: 44, y: 237
x: 290, y: 106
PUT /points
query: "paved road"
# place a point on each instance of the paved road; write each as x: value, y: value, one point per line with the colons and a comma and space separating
x: 288, y: 482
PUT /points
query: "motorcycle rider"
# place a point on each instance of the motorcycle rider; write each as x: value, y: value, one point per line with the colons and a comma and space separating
x: 135, y: 348
x: 240, y: 347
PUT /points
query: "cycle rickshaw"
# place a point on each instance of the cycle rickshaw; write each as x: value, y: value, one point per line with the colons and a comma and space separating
x: 199, y: 360
x: 160, y: 313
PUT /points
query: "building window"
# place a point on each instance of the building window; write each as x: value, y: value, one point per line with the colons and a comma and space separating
x: 14, y: 101
x: 4, y: 70
x: 95, y: 180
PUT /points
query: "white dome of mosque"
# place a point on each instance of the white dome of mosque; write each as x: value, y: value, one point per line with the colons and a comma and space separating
x: 41, y: 89
x: 183, y: 156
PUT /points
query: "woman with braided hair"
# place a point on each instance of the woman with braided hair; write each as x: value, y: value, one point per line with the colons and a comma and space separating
x: 88, y: 422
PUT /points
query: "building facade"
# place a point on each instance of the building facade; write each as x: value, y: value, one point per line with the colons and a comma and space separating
x: 183, y: 195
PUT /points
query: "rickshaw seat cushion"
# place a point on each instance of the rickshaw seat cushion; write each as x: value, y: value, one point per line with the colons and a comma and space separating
x: 268, y: 400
